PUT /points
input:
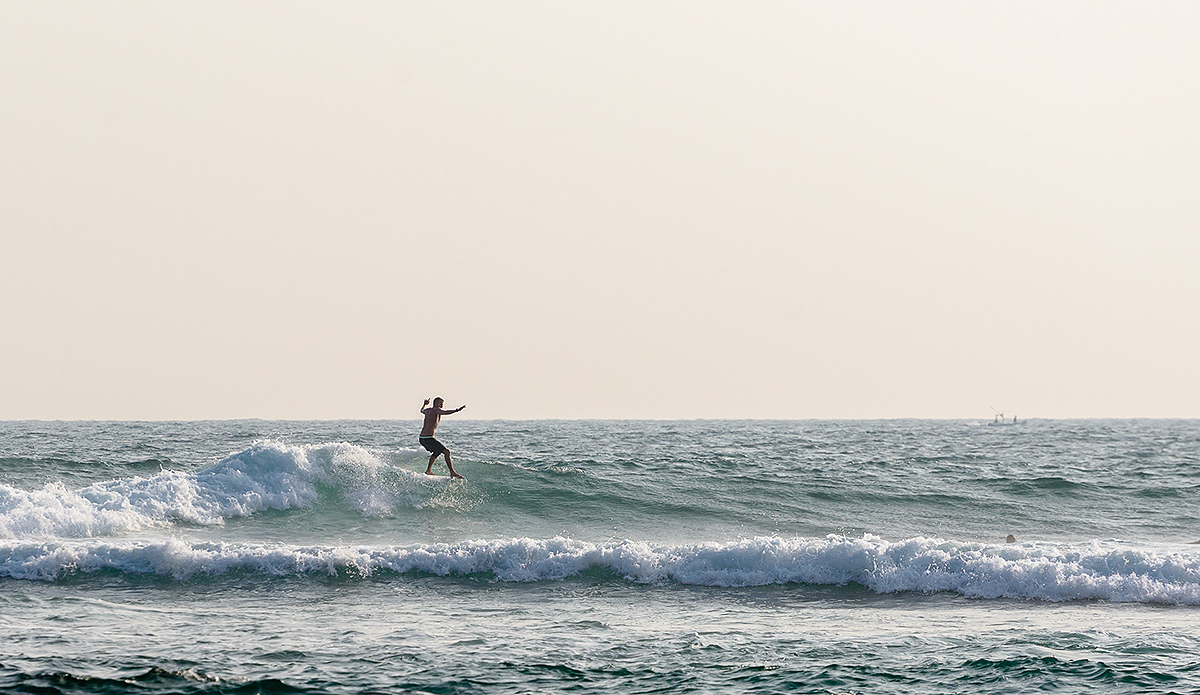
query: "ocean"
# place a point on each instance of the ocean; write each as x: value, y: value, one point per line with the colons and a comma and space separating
x: 257, y: 556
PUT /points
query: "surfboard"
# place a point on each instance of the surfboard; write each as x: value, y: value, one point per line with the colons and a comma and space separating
x: 446, y: 478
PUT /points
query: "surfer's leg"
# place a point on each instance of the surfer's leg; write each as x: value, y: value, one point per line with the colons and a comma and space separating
x: 451, y: 466
x: 429, y: 468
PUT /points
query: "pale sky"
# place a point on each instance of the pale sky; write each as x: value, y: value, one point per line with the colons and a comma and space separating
x: 599, y: 210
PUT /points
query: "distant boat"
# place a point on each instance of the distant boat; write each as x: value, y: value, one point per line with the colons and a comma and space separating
x: 1000, y: 421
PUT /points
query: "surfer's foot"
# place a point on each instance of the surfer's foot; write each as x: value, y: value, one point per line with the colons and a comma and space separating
x: 429, y: 471
x: 455, y: 475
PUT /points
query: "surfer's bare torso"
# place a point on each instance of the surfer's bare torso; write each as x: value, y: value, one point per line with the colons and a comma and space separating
x: 433, y: 416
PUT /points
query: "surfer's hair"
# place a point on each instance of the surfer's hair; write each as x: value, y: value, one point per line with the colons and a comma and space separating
x: 438, y: 401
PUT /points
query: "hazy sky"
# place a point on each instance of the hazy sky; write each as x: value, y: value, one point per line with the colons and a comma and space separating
x: 607, y: 210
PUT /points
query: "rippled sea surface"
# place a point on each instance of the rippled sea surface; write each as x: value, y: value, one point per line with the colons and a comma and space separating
x: 580, y: 556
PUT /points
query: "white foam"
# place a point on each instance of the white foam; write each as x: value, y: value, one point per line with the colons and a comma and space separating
x: 1053, y: 572
x: 266, y: 475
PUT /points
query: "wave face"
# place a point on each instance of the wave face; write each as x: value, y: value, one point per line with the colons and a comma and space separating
x: 664, y: 482
x: 1026, y: 571
x: 265, y: 476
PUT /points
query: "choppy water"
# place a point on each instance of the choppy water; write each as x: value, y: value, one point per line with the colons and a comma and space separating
x: 738, y: 556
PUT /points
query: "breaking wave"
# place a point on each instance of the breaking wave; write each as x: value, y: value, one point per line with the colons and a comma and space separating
x: 1050, y: 572
x: 266, y: 475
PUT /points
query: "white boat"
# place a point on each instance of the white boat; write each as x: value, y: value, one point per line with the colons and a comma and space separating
x: 1001, y: 421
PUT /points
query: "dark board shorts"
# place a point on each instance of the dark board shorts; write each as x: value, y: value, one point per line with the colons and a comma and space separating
x: 432, y: 445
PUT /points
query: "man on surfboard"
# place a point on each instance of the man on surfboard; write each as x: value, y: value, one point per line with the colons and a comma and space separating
x: 433, y: 415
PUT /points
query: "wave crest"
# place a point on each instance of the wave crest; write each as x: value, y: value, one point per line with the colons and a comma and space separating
x: 1096, y: 570
x: 266, y: 475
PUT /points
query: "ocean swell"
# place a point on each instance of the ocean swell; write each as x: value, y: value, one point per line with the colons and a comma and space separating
x: 1051, y: 572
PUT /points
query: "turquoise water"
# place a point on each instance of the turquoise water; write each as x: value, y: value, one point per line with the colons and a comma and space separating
x: 704, y: 556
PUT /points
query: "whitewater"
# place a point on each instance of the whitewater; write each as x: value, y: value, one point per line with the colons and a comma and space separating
x: 742, y: 556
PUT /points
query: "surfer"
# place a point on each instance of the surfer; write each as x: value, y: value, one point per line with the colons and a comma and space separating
x: 433, y: 415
